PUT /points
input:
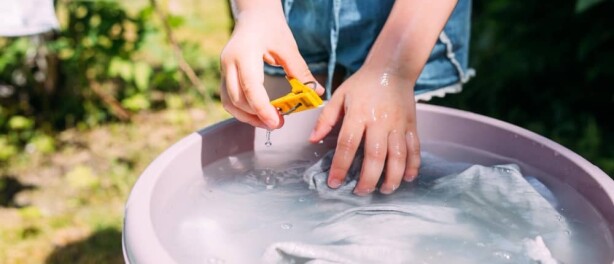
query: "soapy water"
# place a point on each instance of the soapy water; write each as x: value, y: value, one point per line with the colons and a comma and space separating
x: 243, y: 204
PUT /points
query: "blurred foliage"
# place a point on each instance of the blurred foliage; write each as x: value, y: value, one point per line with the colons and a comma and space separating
x: 47, y: 83
x: 546, y: 66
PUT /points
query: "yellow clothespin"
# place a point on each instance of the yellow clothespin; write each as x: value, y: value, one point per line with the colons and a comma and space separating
x: 301, y: 98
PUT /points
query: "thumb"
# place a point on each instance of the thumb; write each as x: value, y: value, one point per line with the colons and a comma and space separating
x: 296, y: 67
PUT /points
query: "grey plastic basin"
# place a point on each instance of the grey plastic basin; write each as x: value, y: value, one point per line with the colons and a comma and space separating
x: 447, y: 132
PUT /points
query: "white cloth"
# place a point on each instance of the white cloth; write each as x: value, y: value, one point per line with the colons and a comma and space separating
x: 26, y: 17
x: 480, y: 215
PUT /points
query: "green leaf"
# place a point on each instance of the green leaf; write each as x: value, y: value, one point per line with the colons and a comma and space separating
x: 174, y: 101
x: 175, y: 21
x: 119, y: 67
x: 125, y: 71
x: 136, y: 102
x: 170, y: 64
x: 30, y: 212
x: 142, y: 75
x: 43, y: 143
x: 583, y: 5
x: 20, y: 123
x: 6, y: 149
x: 146, y: 13
x: 114, y: 67
x: 122, y: 68
x: 82, y: 177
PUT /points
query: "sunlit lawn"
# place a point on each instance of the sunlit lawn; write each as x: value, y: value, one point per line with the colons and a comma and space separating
x: 67, y: 206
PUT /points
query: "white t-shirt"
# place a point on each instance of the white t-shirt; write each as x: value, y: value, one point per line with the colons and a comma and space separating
x: 26, y: 17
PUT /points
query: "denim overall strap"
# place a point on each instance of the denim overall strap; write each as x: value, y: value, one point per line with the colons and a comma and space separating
x: 334, y: 39
x: 287, y: 6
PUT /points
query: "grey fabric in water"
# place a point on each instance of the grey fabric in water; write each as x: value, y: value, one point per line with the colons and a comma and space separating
x: 316, y: 176
x: 452, y: 214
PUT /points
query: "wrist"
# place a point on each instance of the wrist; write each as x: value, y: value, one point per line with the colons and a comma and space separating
x: 256, y: 10
x: 386, y: 79
x: 390, y: 70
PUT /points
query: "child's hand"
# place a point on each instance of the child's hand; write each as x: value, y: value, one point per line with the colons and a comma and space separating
x: 377, y: 102
x: 380, y: 107
x: 261, y: 34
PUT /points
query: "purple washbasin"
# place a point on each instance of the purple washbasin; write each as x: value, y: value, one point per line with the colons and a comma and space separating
x: 449, y: 133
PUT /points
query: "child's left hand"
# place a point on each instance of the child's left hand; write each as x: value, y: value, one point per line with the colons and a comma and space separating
x: 379, y: 106
x: 377, y: 102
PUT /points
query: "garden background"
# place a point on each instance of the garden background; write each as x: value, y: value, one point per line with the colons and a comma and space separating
x: 84, y: 110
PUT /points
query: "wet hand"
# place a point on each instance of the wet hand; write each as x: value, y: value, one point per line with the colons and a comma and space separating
x: 259, y: 35
x: 378, y: 107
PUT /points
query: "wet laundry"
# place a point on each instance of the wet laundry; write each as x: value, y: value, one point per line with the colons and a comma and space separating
x: 453, y: 213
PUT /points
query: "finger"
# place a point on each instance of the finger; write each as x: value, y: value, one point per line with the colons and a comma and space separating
x: 395, y: 162
x: 235, y: 94
x: 347, y: 143
x: 268, y: 58
x: 238, y: 113
x: 376, y: 147
x: 295, y: 66
x: 413, y: 156
x: 251, y: 79
x: 329, y: 117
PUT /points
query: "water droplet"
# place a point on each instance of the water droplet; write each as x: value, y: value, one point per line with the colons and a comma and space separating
x: 316, y: 154
x: 270, y: 181
x: 321, y: 142
x: 503, y: 255
x: 268, y: 139
x: 568, y: 232
x: 556, y: 154
x: 302, y: 199
x: 286, y: 226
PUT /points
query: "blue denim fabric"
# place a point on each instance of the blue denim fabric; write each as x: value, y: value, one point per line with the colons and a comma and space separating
x: 332, y: 33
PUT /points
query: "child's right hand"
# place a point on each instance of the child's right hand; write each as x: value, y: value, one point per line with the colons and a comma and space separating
x: 261, y: 34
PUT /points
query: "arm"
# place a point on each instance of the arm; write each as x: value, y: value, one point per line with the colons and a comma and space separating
x: 261, y: 34
x: 408, y: 37
x: 377, y: 102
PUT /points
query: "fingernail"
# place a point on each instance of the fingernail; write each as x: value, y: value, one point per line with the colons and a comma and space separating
x: 271, y: 122
x: 313, y: 135
x: 410, y: 175
x: 387, y: 189
x: 363, y: 192
x: 334, y: 183
x: 409, y: 178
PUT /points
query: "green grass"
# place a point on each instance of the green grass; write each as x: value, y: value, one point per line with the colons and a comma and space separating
x: 75, y: 209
